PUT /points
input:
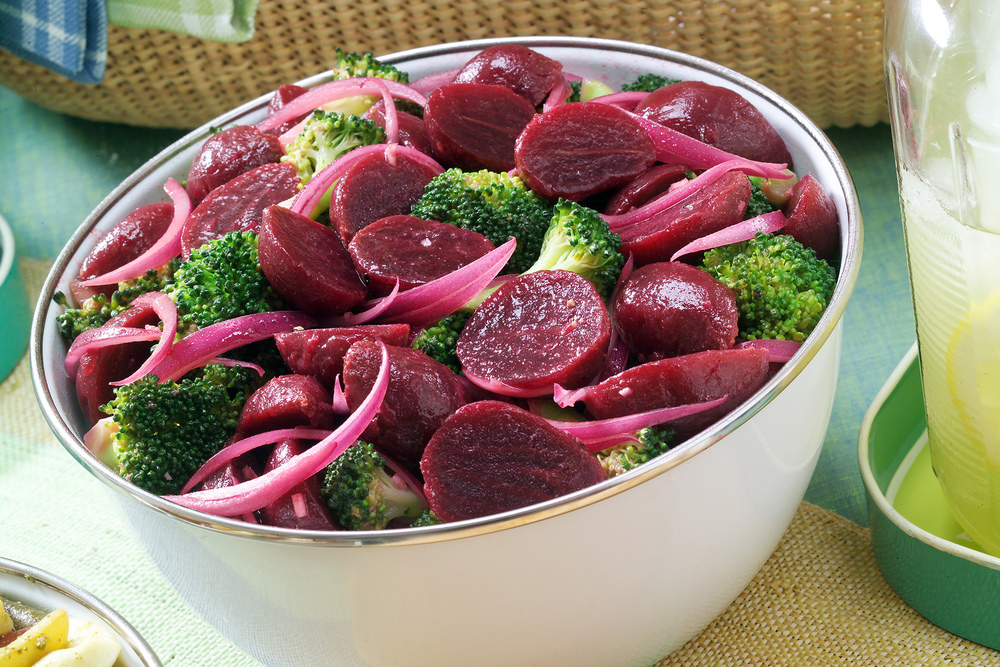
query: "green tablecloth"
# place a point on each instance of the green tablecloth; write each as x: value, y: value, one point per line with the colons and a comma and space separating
x: 55, y: 169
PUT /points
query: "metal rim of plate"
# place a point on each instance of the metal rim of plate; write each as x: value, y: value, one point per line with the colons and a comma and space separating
x: 952, y: 586
x: 123, y: 629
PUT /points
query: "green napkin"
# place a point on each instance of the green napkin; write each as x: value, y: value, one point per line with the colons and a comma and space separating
x: 216, y: 20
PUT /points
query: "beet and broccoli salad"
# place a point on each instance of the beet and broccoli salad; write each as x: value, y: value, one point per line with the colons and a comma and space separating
x: 396, y: 303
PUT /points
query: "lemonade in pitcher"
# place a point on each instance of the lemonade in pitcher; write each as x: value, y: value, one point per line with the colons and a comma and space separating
x: 943, y: 76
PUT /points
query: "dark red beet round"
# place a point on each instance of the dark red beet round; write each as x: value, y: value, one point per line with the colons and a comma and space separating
x: 577, y: 150
x: 668, y: 309
x: 654, y: 181
x: 133, y: 235
x: 811, y: 218
x: 226, y: 476
x: 712, y: 208
x: 320, y: 352
x: 537, y: 330
x: 717, y: 116
x: 412, y: 251
x: 301, y: 507
x: 412, y: 130
x: 526, y: 72
x: 227, y: 154
x: 373, y: 188
x: 692, y: 378
x: 474, y: 125
x: 421, y: 394
x: 306, y: 263
x: 491, y: 457
x: 287, y: 401
x: 98, y: 368
x: 238, y: 205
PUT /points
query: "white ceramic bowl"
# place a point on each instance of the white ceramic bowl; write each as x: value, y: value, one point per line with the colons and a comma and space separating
x: 47, y: 592
x: 621, y: 573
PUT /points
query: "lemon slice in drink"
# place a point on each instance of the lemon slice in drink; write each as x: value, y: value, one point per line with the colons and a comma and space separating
x: 973, y: 371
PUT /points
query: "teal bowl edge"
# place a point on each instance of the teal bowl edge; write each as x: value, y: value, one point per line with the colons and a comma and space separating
x: 15, y: 304
x: 953, y: 587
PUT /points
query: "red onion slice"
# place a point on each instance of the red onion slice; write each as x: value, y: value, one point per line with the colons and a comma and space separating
x: 105, y: 336
x: 682, y: 190
x: 626, y: 100
x: 225, y: 361
x: 442, y: 296
x: 428, y: 84
x: 599, y: 430
x: 367, y: 315
x: 391, y: 117
x: 340, y: 406
x: 566, y: 398
x: 558, y: 94
x: 504, y: 389
x: 166, y: 247
x: 678, y: 148
x: 336, y: 90
x: 165, y: 308
x: 741, y: 231
x: 244, y: 445
x: 264, y: 490
x: 781, y: 351
x: 200, y: 347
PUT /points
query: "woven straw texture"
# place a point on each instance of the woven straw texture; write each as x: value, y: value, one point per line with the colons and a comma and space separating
x: 825, y: 56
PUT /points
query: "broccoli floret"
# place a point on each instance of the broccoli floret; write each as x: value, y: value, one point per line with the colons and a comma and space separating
x: 362, y: 495
x: 100, y: 308
x: 438, y: 341
x: 325, y: 137
x: 222, y: 280
x: 579, y: 240
x: 426, y: 518
x: 575, y: 88
x: 759, y: 203
x: 653, y: 441
x: 351, y: 65
x: 497, y: 205
x: 165, y: 432
x: 781, y: 287
x: 647, y: 83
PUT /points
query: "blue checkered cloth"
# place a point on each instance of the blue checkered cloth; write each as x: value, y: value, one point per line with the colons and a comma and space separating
x: 69, y: 37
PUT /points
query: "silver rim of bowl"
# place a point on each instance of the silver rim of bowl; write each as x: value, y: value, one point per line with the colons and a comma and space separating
x: 7, y: 250
x: 847, y: 276
x: 121, y: 627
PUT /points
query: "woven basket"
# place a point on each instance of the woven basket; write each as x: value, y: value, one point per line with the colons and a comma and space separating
x: 825, y: 56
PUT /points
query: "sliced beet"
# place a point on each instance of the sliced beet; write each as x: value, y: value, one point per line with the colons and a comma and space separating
x: 226, y: 476
x: 716, y: 116
x: 129, y: 238
x: 708, y: 210
x: 577, y: 150
x: 412, y: 130
x: 474, y: 125
x: 412, y: 251
x: 811, y: 218
x: 526, y: 72
x: 692, y: 378
x: 374, y: 188
x: 491, y: 457
x: 306, y: 263
x: 422, y: 392
x: 302, y: 507
x: 668, y: 309
x: 287, y: 401
x: 282, y: 96
x: 654, y: 181
x: 100, y: 367
x: 238, y: 205
x: 227, y: 154
x: 320, y: 352
x: 537, y: 330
